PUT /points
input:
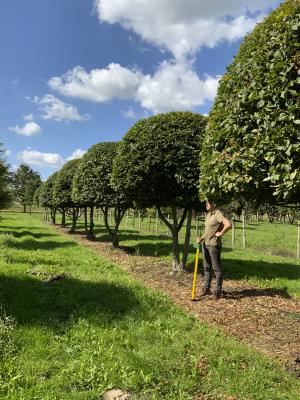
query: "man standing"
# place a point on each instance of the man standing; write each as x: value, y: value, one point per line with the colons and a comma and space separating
x: 216, y: 225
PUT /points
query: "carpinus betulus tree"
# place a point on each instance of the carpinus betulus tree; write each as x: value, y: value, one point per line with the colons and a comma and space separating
x: 92, y: 187
x: 157, y: 166
x: 252, y: 142
x: 46, y: 196
x: 63, y: 192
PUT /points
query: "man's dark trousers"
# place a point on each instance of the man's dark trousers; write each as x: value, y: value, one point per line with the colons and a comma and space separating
x: 212, y: 261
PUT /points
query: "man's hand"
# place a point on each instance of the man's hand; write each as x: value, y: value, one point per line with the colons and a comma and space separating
x: 200, y: 239
x: 218, y: 234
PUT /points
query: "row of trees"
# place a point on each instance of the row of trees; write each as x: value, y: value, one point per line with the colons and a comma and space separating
x: 249, y: 147
x: 155, y: 165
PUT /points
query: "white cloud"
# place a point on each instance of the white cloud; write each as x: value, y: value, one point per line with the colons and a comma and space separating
x: 184, y: 27
x: 175, y: 86
x: 7, y: 153
x: 28, y: 117
x: 29, y: 129
x: 78, y: 153
x: 57, y: 110
x: 98, y: 85
x: 34, y: 157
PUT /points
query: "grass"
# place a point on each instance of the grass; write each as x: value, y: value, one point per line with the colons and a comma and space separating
x: 259, y: 265
x: 73, y: 325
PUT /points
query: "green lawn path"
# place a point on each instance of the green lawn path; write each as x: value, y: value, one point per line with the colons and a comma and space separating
x: 97, y: 328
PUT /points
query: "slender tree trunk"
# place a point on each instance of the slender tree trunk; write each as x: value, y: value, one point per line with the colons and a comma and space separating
x: 91, y: 234
x: 85, y: 220
x: 24, y: 208
x: 75, y: 212
x: 113, y: 232
x: 63, y: 218
x: 174, y: 229
x: 53, y: 215
x: 187, y: 238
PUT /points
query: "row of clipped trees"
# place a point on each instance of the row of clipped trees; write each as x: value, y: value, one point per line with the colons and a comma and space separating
x: 155, y: 165
x: 248, y: 147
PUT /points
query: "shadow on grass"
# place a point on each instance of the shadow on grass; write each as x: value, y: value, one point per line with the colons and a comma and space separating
x: 54, y: 303
x: 21, y: 233
x: 243, y: 269
x: 32, y: 244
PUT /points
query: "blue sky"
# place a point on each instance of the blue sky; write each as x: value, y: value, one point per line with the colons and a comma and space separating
x: 77, y: 72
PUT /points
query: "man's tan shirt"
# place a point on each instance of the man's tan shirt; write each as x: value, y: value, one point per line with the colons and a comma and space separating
x: 213, y: 224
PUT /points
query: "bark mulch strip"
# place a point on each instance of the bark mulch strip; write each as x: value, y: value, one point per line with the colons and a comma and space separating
x: 267, y: 319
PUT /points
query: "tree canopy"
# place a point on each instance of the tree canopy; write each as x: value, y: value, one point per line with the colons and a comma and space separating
x: 252, y: 145
x: 46, y: 195
x: 62, y: 190
x: 157, y: 163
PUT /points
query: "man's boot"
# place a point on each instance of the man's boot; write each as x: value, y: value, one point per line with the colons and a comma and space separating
x: 217, y: 294
x: 205, y: 292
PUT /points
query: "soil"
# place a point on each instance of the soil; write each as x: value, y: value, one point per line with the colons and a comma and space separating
x: 265, y: 318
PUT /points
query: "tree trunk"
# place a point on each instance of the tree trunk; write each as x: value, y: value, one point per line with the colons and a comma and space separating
x: 174, y: 229
x: 85, y: 220
x: 53, y: 215
x: 74, y: 219
x: 24, y: 208
x: 113, y: 232
x: 187, y: 238
x: 91, y: 234
x: 63, y: 218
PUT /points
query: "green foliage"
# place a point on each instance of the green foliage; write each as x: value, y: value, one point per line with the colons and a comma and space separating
x: 25, y: 183
x: 91, y: 186
x: 5, y: 190
x: 252, y: 145
x: 62, y: 190
x: 157, y: 163
x: 46, y: 192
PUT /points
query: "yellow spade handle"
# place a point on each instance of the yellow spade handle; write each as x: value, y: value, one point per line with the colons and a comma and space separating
x: 195, y: 274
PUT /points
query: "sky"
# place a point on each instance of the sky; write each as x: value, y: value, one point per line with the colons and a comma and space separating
x: 77, y: 72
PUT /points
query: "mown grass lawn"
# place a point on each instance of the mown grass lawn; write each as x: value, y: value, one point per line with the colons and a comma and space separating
x: 73, y: 325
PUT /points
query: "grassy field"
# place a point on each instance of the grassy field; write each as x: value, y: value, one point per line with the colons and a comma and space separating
x: 259, y: 263
x: 73, y: 325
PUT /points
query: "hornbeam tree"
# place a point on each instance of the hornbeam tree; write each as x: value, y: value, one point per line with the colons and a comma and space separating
x: 46, y: 196
x: 62, y: 192
x: 252, y: 147
x: 92, y: 188
x: 157, y: 166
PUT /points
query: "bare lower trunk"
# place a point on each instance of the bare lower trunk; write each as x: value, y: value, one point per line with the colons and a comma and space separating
x: 63, y: 218
x: 75, y: 213
x: 53, y: 215
x: 187, y: 238
x: 174, y: 229
x: 91, y: 234
x: 113, y: 231
x: 85, y: 220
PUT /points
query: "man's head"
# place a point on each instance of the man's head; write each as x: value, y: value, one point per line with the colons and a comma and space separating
x: 210, y: 205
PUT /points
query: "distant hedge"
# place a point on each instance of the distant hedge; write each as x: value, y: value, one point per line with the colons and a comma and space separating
x: 252, y: 142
